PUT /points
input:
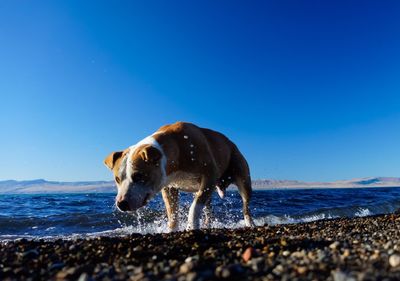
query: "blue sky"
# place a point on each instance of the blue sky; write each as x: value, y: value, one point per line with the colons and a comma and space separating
x: 309, y: 90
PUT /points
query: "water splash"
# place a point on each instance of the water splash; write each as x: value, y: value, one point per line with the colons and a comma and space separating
x: 363, y: 212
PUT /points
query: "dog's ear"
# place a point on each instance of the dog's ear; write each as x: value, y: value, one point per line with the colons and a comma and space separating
x: 112, y: 158
x: 151, y: 154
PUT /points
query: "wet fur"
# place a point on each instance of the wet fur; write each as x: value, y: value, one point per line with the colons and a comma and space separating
x: 196, y: 160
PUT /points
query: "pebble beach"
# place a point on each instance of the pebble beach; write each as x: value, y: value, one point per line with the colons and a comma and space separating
x: 366, y: 248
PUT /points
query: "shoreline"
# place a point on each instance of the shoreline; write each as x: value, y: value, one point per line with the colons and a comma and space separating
x: 365, y: 248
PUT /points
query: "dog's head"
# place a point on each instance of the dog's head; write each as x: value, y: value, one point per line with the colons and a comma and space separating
x: 139, y: 173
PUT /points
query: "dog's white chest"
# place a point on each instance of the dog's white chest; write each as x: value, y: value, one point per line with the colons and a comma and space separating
x: 184, y: 181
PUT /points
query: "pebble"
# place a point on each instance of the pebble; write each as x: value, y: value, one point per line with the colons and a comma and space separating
x: 278, y: 269
x: 341, y: 276
x: 334, y: 245
x: 191, y: 276
x: 31, y: 254
x: 186, y: 267
x: 394, y: 260
x: 301, y: 270
x: 83, y: 277
x: 247, y: 254
x: 56, y: 266
x: 346, y: 253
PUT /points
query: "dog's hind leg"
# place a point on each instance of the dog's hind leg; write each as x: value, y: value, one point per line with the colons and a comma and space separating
x: 208, y: 214
x: 171, y: 199
x: 245, y: 191
x: 242, y: 179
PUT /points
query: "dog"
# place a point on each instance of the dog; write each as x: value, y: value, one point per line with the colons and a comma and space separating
x: 180, y: 157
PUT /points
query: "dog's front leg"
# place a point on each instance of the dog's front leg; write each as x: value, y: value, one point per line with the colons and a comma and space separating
x: 171, y: 199
x: 200, y: 200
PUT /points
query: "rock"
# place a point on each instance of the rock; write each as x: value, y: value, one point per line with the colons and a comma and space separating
x: 65, y: 273
x: 192, y: 276
x: 191, y: 259
x: 186, y: 267
x: 257, y: 263
x: 137, y: 277
x: 339, y: 275
x: 394, y: 260
x: 56, y: 266
x: 334, y: 245
x: 271, y: 254
x: 18, y: 270
x: 83, y: 277
x: 278, y: 269
x: 388, y: 245
x: 247, y: 254
x: 226, y: 273
x: 31, y: 254
x: 346, y: 253
x: 229, y: 272
x: 297, y: 254
x: 301, y: 270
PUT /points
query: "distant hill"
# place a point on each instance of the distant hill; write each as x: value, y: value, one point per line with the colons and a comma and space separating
x: 43, y: 186
x: 360, y: 182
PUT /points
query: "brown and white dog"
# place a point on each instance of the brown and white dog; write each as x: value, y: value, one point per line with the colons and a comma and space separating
x: 185, y: 157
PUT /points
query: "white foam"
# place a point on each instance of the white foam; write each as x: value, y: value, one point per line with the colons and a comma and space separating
x: 363, y: 212
x: 286, y: 219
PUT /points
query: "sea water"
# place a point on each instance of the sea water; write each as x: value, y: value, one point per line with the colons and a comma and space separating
x: 51, y: 216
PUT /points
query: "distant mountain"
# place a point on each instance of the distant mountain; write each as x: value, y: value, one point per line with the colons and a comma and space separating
x: 43, y: 186
x: 360, y: 182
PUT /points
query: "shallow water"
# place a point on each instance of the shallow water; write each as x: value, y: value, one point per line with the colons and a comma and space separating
x: 80, y: 215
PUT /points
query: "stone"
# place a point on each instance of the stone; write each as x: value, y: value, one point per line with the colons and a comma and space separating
x: 83, y: 277
x: 334, y: 245
x: 186, y: 267
x: 247, y: 254
x: 394, y: 260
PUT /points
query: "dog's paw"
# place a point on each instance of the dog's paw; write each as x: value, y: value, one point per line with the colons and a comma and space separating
x: 192, y: 226
x: 173, y: 229
x: 249, y: 222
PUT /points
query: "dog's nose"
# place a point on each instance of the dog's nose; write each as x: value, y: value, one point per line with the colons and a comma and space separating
x: 123, y: 205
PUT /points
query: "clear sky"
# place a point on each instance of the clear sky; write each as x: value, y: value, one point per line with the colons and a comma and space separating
x: 308, y: 90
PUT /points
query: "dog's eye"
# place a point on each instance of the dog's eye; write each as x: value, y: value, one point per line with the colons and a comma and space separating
x: 117, y: 179
x: 138, y: 178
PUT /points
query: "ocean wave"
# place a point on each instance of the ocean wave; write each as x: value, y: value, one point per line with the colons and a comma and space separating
x: 99, y: 217
x: 149, y: 224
